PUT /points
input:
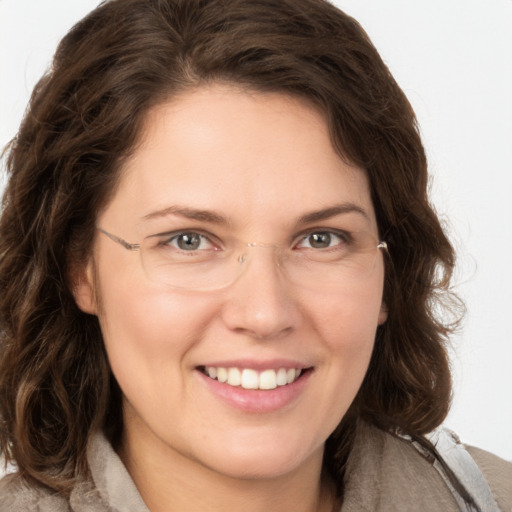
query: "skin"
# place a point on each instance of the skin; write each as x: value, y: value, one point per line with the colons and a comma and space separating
x: 262, y: 161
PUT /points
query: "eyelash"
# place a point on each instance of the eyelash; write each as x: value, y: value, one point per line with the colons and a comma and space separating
x: 170, y: 237
x: 344, y: 236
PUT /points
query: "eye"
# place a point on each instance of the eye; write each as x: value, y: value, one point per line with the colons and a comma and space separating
x: 321, y: 240
x: 188, y: 241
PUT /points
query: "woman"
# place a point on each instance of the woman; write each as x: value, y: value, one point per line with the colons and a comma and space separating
x: 219, y: 272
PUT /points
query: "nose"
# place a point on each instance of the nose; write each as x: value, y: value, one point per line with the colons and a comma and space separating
x: 260, y: 302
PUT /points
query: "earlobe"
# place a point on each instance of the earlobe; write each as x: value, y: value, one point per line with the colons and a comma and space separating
x: 383, y: 313
x: 82, y: 282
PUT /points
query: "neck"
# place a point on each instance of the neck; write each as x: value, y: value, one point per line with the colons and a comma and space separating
x: 171, y: 482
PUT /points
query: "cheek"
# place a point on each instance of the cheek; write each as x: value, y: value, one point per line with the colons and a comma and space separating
x: 147, y: 329
x: 347, y: 326
x: 349, y: 321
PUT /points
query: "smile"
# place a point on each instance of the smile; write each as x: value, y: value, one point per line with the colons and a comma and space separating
x: 248, y: 378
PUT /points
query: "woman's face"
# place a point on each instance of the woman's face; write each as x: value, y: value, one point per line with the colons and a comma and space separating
x: 225, y: 164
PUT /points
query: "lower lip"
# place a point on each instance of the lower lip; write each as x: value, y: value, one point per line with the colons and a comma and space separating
x: 256, y: 400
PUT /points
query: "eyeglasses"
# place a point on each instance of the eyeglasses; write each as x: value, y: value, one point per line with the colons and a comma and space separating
x: 195, y: 260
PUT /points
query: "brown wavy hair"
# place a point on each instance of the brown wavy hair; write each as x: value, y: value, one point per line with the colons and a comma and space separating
x: 85, y: 117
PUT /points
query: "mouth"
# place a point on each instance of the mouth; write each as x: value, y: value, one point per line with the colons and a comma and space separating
x: 249, y: 378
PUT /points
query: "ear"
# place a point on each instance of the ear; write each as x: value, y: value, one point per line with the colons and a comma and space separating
x: 82, y: 284
x: 383, y: 313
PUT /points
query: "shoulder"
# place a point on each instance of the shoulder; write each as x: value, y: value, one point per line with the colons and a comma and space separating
x: 485, y: 477
x: 106, y: 486
x: 388, y: 472
x: 498, y: 473
x: 18, y: 496
x: 385, y: 473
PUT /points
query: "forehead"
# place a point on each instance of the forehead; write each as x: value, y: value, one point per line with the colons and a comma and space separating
x: 251, y: 156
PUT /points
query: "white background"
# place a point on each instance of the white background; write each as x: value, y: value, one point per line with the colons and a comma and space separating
x: 453, y: 58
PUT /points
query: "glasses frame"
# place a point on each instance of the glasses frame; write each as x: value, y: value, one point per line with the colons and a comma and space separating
x: 136, y: 247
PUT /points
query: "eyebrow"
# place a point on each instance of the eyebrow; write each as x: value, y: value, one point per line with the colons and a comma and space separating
x: 189, y: 213
x: 217, y: 218
x: 333, y: 211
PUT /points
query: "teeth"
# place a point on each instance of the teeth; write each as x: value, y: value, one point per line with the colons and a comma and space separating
x: 234, y: 377
x: 222, y: 374
x: 268, y: 379
x: 248, y: 378
x: 281, y: 379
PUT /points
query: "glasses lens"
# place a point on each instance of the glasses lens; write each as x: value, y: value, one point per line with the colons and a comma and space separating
x: 337, y: 262
x: 321, y: 259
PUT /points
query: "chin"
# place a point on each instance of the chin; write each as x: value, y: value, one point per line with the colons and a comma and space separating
x: 260, y: 461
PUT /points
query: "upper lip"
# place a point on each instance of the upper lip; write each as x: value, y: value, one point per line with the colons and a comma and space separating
x: 273, y: 364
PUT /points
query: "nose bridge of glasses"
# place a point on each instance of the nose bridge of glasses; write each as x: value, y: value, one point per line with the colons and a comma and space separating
x: 242, y: 258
